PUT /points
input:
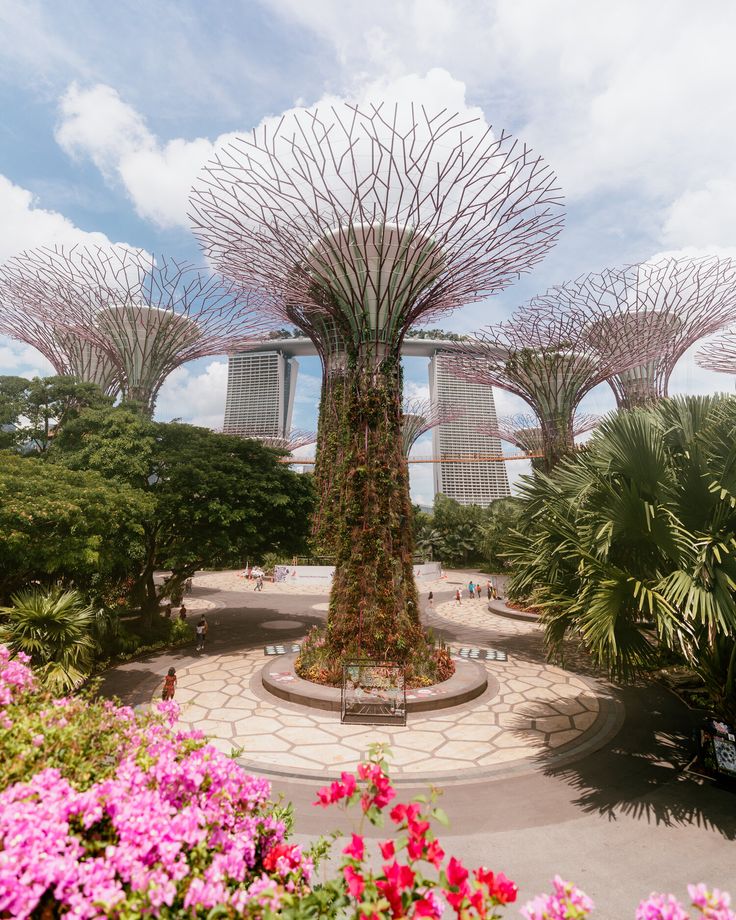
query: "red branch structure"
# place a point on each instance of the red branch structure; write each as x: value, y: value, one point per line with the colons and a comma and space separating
x: 670, y: 304
x: 548, y: 354
x: 524, y: 430
x: 719, y: 354
x: 375, y: 219
x: 418, y: 416
x: 69, y: 354
x: 296, y: 439
x: 147, y: 316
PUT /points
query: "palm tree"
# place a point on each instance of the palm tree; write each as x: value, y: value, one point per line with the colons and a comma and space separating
x: 633, y: 543
x: 57, y: 629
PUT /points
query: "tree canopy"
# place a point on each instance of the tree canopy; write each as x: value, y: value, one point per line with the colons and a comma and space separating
x: 70, y: 525
x: 632, y: 544
x: 217, y: 500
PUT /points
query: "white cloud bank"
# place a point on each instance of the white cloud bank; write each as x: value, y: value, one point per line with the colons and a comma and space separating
x: 158, y: 176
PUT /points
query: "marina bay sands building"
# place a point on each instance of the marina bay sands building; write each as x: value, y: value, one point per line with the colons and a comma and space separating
x: 260, y: 398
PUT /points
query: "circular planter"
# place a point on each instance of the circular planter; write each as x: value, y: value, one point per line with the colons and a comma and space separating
x: 469, y: 681
x: 500, y: 609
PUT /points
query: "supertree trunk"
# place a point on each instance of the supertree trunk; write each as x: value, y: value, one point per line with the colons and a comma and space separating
x: 374, y: 610
x: 329, y: 462
x: 558, y: 441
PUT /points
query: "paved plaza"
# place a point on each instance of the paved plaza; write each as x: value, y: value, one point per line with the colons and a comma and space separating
x: 551, y: 769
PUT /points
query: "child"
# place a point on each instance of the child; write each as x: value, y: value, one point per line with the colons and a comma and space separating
x: 169, y: 685
x: 457, y: 597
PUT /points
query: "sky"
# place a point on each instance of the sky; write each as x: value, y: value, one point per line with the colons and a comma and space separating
x: 108, y: 111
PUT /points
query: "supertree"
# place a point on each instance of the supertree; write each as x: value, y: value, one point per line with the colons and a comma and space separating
x: 524, y: 431
x: 69, y: 354
x: 548, y: 355
x: 293, y: 441
x: 719, y: 354
x: 148, y: 315
x: 418, y: 416
x: 670, y: 302
x: 376, y: 218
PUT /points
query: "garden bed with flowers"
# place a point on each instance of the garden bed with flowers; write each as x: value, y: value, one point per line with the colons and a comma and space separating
x: 109, y: 814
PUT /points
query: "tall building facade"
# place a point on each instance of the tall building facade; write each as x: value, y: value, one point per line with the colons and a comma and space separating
x: 260, y: 397
x: 468, y: 483
x: 260, y: 394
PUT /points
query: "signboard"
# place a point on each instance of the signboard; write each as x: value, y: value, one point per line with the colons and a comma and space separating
x: 373, y: 693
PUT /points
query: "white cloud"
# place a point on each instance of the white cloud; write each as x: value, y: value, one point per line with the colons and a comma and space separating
x: 195, y: 396
x: 95, y: 122
x: 21, y: 360
x: 704, y: 217
x: 610, y: 93
x: 25, y: 225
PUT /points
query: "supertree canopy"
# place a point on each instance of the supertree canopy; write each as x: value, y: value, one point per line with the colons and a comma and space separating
x: 148, y: 315
x: 547, y: 355
x: 69, y: 354
x: 418, y: 416
x: 295, y: 439
x: 670, y: 303
x: 524, y: 431
x: 376, y: 218
x: 720, y: 353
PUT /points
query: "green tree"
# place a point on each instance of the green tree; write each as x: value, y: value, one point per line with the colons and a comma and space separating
x: 56, y: 524
x: 632, y: 544
x: 34, y: 411
x: 56, y: 628
x: 215, y: 499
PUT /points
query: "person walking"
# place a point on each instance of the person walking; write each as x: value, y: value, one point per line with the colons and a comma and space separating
x: 471, y: 590
x: 458, y: 599
x: 182, y: 612
x: 169, y: 685
x: 430, y: 599
x: 201, y: 630
x: 489, y: 591
x: 477, y: 590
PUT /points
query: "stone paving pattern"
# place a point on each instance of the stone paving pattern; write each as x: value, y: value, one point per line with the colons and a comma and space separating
x: 539, y: 708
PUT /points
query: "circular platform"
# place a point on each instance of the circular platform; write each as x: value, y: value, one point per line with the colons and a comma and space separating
x: 469, y: 681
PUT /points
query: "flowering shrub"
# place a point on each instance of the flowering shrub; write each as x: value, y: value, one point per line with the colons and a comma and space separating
x: 158, y: 823
x: 171, y: 826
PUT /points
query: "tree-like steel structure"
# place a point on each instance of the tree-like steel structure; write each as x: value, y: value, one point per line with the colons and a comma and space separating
x: 719, y: 354
x: 293, y: 441
x: 524, y: 431
x: 548, y: 354
x: 670, y: 303
x: 418, y: 416
x: 69, y: 354
x: 147, y: 315
x: 375, y: 218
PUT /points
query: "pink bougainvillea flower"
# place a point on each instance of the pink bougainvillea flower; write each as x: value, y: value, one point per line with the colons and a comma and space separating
x: 355, y: 881
x: 356, y: 848
x: 661, y: 907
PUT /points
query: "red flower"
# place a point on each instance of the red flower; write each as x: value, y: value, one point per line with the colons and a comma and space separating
x: 291, y: 852
x: 342, y: 789
x: 402, y: 812
x: 387, y: 849
x: 435, y: 854
x: 356, y: 885
x: 426, y: 908
x: 400, y: 876
x: 457, y: 874
x: 356, y: 848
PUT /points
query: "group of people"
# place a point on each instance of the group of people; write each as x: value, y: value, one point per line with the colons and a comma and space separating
x: 476, y: 591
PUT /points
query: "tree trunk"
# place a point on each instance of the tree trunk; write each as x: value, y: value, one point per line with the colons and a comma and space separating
x: 374, y: 610
x: 329, y: 463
